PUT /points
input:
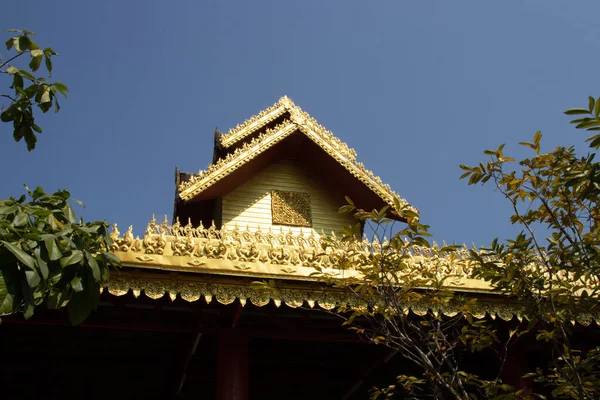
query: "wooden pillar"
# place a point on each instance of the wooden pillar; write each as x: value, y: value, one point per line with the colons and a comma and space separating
x: 232, y: 366
x: 515, y: 366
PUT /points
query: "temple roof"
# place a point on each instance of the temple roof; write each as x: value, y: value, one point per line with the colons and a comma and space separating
x: 224, y: 264
x: 252, y: 139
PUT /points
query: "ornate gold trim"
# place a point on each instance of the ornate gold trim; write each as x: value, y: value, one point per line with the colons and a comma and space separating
x: 291, y: 259
x: 192, y: 290
x: 232, y: 161
x: 301, y: 121
x: 252, y: 124
x: 277, y: 253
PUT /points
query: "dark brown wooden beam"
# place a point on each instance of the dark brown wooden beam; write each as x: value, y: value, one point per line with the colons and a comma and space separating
x: 232, y: 366
x: 186, y: 363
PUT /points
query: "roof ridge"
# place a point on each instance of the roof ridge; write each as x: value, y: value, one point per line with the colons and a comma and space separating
x: 253, y: 123
x: 222, y: 162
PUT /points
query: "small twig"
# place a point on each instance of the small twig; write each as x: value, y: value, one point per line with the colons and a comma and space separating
x: 10, y: 59
x: 8, y: 97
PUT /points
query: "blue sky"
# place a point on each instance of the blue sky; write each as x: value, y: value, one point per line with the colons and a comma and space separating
x: 417, y: 88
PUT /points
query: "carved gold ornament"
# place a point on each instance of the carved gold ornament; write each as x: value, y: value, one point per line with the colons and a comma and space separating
x: 276, y: 252
x: 294, y: 297
x: 291, y: 208
x: 285, y: 256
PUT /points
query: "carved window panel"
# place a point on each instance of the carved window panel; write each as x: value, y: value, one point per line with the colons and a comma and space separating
x: 291, y: 208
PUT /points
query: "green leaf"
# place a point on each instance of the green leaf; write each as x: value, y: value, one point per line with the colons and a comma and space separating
x: 9, y: 43
x: 23, y: 43
x: 11, y: 280
x: 588, y: 124
x: 32, y: 277
x: 18, y: 133
x: 51, y: 221
x: 32, y: 45
x: 93, y: 266
x: 35, y: 63
x: 576, y: 111
x: 537, y: 137
x: 69, y: 213
x: 8, y: 208
x: 20, y: 219
x: 28, y: 313
x: 75, y: 257
x: 76, y: 284
x: 45, y: 95
x: 20, y: 254
x: 43, y: 267
x: 6, y: 299
x: 81, y: 203
x: 48, y: 62
x: 595, y: 142
x: 61, y: 88
x: 56, y: 300
x: 30, y: 137
x: 53, y: 249
x: 112, y: 258
x: 9, y: 114
x: 591, y: 103
x: 82, y: 303
x: 28, y: 75
x: 31, y: 90
x: 17, y: 82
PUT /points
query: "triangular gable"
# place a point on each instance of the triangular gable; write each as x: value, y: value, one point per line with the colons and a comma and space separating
x: 246, y: 147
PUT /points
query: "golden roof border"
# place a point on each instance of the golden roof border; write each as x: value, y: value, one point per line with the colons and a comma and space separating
x: 275, y: 254
x: 302, y: 121
x: 232, y: 161
x: 192, y: 290
x: 200, y: 257
x: 250, y: 125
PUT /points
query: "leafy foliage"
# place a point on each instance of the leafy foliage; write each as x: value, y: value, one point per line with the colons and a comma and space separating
x: 396, y: 275
x: 556, y: 274
x: 29, y: 90
x: 47, y: 255
x: 551, y: 268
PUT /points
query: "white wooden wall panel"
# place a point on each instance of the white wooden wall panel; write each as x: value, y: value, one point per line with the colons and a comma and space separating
x: 250, y: 204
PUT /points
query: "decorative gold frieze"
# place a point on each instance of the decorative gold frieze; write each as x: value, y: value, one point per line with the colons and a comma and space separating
x: 294, y: 297
x: 127, y: 242
x: 291, y: 208
x: 286, y: 257
x: 271, y: 253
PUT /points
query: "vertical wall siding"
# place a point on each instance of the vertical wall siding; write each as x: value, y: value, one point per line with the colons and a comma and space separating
x: 250, y: 204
